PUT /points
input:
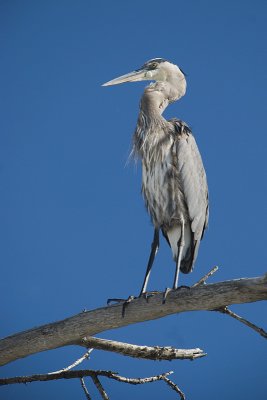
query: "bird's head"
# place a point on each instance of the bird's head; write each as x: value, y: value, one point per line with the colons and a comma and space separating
x: 157, y: 69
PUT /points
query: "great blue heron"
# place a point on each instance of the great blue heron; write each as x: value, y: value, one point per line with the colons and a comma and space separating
x: 174, y: 183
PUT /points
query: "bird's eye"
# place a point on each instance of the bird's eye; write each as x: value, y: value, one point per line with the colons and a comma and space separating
x: 154, y: 65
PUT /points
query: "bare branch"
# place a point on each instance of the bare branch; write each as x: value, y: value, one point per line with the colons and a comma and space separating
x: 174, y: 387
x: 94, y: 376
x: 100, y: 388
x: 60, y: 375
x: 146, y: 352
x: 205, y: 277
x: 77, y: 362
x: 225, y: 310
x: 72, y: 330
x: 81, y: 374
x: 87, y: 395
x: 140, y: 381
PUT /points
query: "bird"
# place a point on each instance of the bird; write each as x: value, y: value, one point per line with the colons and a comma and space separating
x: 174, y: 182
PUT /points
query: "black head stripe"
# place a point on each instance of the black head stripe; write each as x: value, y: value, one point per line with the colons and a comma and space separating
x: 152, y: 64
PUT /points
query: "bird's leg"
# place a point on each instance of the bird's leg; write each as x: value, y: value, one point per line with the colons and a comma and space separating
x: 180, y: 247
x: 153, y: 252
x: 154, y: 249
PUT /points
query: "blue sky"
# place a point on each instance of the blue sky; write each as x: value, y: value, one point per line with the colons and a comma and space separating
x: 74, y: 230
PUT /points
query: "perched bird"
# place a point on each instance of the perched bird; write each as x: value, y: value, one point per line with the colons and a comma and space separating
x: 174, y: 183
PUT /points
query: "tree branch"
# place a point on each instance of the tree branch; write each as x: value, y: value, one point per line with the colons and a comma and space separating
x: 174, y: 387
x: 93, y: 374
x: 72, y: 330
x: 146, y: 352
x: 85, y: 390
x: 99, y: 387
x: 205, y: 277
x: 225, y: 310
x: 80, y: 373
x: 73, y: 365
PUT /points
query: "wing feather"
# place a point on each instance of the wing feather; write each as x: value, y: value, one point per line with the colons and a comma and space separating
x: 193, y: 183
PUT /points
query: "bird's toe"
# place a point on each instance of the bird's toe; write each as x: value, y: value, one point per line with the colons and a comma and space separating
x: 125, y: 303
x: 165, y: 294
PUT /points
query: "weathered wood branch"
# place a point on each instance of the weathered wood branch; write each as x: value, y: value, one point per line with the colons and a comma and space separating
x: 78, y: 374
x: 146, y: 352
x: 73, y: 365
x: 260, y: 331
x: 94, y: 375
x: 85, y: 390
x: 65, y: 373
x: 72, y: 330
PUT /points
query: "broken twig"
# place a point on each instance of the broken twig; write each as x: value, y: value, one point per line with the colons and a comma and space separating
x: 205, y: 277
x: 225, y: 310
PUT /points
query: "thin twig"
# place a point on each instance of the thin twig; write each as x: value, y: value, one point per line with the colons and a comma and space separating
x: 55, y: 376
x: 205, y: 277
x: 140, y: 381
x: 174, y: 387
x: 94, y: 374
x: 79, y: 374
x: 99, y: 387
x: 225, y: 310
x: 85, y: 389
x: 146, y: 352
x: 77, y: 362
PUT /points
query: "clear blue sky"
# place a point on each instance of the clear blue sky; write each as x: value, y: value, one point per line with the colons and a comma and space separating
x: 74, y: 230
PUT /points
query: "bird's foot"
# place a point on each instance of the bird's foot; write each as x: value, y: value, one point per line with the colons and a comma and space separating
x: 147, y: 295
x: 183, y: 287
x: 165, y: 294
x: 125, y: 303
x: 168, y: 290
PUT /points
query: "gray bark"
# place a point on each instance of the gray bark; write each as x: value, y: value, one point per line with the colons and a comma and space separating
x: 71, y: 331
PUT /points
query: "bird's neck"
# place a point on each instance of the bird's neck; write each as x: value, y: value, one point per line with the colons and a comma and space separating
x: 159, y: 95
x: 151, y: 124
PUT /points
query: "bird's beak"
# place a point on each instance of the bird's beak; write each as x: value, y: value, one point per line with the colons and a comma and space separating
x: 134, y: 76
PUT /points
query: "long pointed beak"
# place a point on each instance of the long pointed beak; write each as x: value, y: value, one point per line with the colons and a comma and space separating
x: 133, y: 76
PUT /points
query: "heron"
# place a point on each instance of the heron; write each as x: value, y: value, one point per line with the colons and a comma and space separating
x: 174, y: 183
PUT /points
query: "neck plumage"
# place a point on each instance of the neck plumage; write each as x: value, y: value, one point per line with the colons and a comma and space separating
x: 154, y: 101
x: 157, y: 96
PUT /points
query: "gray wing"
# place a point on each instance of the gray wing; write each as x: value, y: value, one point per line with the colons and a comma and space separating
x: 193, y: 183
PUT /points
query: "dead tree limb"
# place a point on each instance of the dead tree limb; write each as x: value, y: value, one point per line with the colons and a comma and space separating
x: 260, y: 331
x: 73, y: 365
x: 85, y: 390
x: 145, y: 352
x: 71, y: 331
x: 94, y: 374
x: 80, y: 373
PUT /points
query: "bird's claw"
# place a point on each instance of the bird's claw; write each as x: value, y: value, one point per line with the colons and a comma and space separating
x: 124, y: 303
x: 168, y: 290
x: 165, y: 294
x: 147, y: 295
